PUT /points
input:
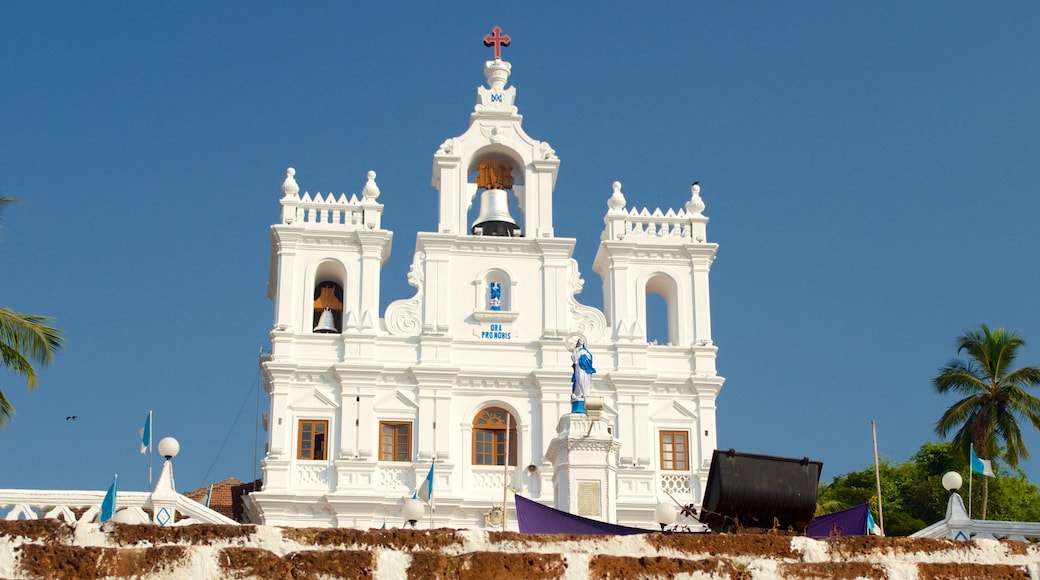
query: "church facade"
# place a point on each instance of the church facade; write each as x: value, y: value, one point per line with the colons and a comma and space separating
x: 473, y: 374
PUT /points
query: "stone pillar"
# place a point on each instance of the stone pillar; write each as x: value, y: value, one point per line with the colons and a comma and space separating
x: 584, y: 458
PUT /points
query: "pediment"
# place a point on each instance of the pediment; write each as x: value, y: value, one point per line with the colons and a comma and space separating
x: 671, y: 411
x: 396, y: 400
x: 315, y: 400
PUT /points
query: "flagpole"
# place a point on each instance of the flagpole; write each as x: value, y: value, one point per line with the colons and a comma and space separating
x: 432, y: 462
x: 149, y: 448
x: 877, y: 476
x: 971, y: 471
x: 505, y: 474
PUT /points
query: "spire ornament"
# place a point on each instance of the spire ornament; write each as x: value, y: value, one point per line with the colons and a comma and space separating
x: 289, y: 187
x: 371, y: 190
x: 696, y: 204
x: 498, y: 40
x: 616, y: 203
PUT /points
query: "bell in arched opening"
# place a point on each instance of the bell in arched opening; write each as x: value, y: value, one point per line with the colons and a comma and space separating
x: 328, y: 308
x: 326, y: 324
x: 494, y: 218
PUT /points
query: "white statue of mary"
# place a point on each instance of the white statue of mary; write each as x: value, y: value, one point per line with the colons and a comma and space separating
x: 581, y: 380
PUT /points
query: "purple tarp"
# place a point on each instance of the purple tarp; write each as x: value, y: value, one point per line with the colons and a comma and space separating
x: 535, y: 518
x: 850, y: 522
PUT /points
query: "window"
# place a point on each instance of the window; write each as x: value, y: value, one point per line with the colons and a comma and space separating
x: 675, y: 450
x: 312, y: 442
x: 489, y: 437
x: 395, y: 441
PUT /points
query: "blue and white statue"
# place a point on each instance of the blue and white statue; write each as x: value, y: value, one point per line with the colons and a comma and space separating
x: 496, y: 296
x: 581, y: 380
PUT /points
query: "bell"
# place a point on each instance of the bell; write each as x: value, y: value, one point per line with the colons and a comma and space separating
x: 494, y: 218
x: 326, y: 323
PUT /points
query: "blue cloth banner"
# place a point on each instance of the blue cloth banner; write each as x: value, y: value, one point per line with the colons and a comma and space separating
x: 146, y: 434
x: 425, y: 492
x: 983, y: 466
x: 108, y: 505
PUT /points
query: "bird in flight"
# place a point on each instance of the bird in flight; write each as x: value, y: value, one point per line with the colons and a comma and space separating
x: 71, y: 418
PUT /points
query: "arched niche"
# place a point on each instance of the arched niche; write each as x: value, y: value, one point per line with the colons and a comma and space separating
x: 329, y: 282
x: 496, y: 177
x: 660, y: 308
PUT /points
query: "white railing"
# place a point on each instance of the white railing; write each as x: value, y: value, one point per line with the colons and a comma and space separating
x: 311, y: 476
x: 327, y: 210
x: 958, y: 526
x: 659, y: 224
x: 489, y: 478
x: 35, y: 504
x: 681, y: 226
x: 397, y: 479
x: 676, y: 484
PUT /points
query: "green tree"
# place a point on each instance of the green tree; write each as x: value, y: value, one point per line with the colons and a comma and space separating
x: 25, y: 340
x: 995, y: 397
x: 860, y: 487
x: 913, y: 494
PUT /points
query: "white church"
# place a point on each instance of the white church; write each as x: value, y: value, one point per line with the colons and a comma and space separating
x: 473, y: 373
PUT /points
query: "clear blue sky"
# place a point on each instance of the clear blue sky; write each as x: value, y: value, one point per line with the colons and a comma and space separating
x: 870, y: 171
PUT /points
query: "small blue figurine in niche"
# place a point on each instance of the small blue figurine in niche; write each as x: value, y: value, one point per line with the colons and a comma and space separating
x: 496, y: 296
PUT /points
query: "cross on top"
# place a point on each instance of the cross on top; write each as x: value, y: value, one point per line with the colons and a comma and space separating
x: 498, y: 40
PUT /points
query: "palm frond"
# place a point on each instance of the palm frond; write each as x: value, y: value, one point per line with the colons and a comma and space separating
x: 959, y: 414
x: 26, y: 339
x: 959, y: 378
x: 6, y: 410
x: 998, y: 397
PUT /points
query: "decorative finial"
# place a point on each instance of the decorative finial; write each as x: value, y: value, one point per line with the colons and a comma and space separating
x: 497, y: 40
x: 289, y: 187
x: 617, y: 201
x: 696, y: 204
x: 371, y: 190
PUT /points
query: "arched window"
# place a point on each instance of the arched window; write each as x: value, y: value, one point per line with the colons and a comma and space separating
x: 491, y: 429
x: 328, y: 296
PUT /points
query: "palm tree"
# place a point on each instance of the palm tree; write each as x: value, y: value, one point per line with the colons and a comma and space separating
x: 995, y: 397
x: 24, y: 339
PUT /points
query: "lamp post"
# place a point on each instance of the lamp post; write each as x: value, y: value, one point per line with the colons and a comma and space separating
x: 413, y: 510
x: 665, y: 515
x: 164, y: 497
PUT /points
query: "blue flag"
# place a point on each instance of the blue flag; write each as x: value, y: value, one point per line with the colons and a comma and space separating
x: 983, y: 466
x: 209, y: 494
x: 108, y: 505
x: 146, y: 434
x: 425, y: 492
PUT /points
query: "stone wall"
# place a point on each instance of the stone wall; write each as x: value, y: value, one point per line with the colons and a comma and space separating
x: 51, y: 549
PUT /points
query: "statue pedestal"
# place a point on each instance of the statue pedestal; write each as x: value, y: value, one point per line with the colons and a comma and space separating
x: 584, y: 458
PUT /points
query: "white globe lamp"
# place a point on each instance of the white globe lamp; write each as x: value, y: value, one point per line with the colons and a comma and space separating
x: 413, y: 510
x: 665, y: 515
x: 952, y: 481
x: 169, y: 448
